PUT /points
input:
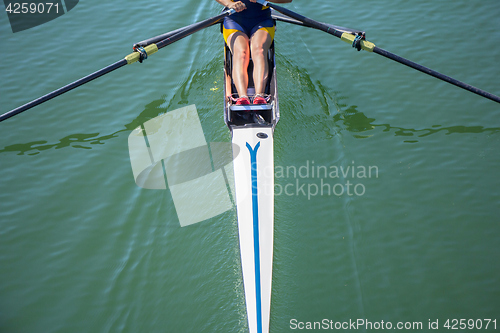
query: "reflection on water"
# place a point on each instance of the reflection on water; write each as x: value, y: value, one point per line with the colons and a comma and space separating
x: 356, y: 122
x: 337, y: 116
x: 350, y: 120
x: 87, y: 141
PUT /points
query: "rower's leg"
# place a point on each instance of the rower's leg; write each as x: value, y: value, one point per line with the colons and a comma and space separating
x: 259, y: 45
x: 239, y: 45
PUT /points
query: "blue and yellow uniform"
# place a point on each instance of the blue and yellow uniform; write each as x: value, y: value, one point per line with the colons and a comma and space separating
x: 255, y: 17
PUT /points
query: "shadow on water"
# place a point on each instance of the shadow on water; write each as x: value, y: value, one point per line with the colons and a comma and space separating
x: 345, y: 117
x: 355, y: 121
x: 82, y: 141
x: 337, y: 116
x: 90, y: 140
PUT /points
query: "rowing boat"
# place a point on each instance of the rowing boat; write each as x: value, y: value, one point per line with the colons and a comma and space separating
x: 252, y: 129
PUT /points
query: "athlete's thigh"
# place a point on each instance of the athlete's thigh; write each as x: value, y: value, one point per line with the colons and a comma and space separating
x: 261, y: 39
x: 238, y: 41
x: 234, y: 35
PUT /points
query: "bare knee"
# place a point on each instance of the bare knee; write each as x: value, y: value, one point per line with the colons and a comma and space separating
x: 241, y: 55
x: 258, y: 52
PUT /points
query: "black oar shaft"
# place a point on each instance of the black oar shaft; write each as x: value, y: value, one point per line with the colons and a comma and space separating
x: 161, y: 37
x: 64, y: 89
x: 173, y: 36
x: 306, y: 21
x: 372, y: 48
x: 285, y: 18
x: 435, y: 74
x: 193, y: 28
x: 149, y: 49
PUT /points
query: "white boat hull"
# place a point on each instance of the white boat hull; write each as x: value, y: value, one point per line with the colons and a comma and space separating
x: 254, y: 186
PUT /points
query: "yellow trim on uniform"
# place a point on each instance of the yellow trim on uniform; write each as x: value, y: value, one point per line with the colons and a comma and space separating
x: 271, y: 31
x: 228, y: 32
x: 365, y: 45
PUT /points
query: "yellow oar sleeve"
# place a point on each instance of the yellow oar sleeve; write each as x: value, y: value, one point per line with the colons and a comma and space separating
x: 365, y: 45
x: 133, y: 57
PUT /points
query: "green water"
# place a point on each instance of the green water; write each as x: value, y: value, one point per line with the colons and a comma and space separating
x: 83, y: 249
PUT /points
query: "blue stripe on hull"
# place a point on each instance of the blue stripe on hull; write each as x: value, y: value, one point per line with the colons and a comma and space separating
x: 255, y: 210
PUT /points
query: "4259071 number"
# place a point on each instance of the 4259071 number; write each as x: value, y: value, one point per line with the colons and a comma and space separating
x: 471, y: 324
x: 32, y: 8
